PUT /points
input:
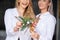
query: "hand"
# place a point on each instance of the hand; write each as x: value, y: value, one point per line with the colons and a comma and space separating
x: 18, y: 26
x: 34, y: 23
x: 35, y: 35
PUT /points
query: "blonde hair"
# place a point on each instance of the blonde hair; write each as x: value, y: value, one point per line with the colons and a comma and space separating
x: 50, y: 8
x: 29, y: 10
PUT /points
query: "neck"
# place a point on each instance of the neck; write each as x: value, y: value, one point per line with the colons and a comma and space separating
x: 21, y: 11
x: 43, y: 11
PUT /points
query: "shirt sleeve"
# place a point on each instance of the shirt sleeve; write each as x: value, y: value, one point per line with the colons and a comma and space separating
x: 48, y: 31
x: 8, y: 23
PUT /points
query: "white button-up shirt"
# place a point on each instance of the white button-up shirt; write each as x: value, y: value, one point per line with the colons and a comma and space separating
x: 10, y: 23
x: 45, y: 26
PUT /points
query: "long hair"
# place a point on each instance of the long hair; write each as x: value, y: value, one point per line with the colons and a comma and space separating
x: 28, y: 11
x: 50, y: 8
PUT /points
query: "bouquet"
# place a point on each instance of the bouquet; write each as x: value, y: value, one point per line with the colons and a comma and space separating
x: 26, y: 22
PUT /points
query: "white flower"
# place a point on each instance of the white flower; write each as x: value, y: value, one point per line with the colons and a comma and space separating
x: 28, y: 22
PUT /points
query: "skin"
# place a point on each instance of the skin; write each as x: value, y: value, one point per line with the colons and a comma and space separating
x: 24, y: 3
x: 43, y: 6
x: 21, y: 8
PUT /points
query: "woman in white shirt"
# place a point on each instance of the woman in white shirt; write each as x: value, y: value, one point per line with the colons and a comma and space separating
x: 23, y: 9
x: 44, y: 29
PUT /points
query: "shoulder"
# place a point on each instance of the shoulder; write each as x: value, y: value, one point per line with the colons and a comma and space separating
x: 9, y: 11
x: 51, y: 18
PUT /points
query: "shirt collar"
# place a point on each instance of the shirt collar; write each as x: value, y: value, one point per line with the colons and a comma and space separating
x: 43, y: 14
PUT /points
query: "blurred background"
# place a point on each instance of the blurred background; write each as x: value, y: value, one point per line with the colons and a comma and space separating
x: 59, y: 20
x: 5, y: 4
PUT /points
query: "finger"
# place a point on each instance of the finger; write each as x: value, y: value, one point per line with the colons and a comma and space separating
x: 15, y: 29
x: 34, y: 23
x: 36, y: 35
x: 19, y: 24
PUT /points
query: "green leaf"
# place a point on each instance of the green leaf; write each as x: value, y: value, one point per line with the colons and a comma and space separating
x: 23, y: 27
x: 24, y: 21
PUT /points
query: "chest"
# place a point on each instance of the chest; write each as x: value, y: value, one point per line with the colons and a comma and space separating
x: 41, y: 26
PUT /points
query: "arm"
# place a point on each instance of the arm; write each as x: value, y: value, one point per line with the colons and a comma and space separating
x: 48, y: 35
x: 8, y: 23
